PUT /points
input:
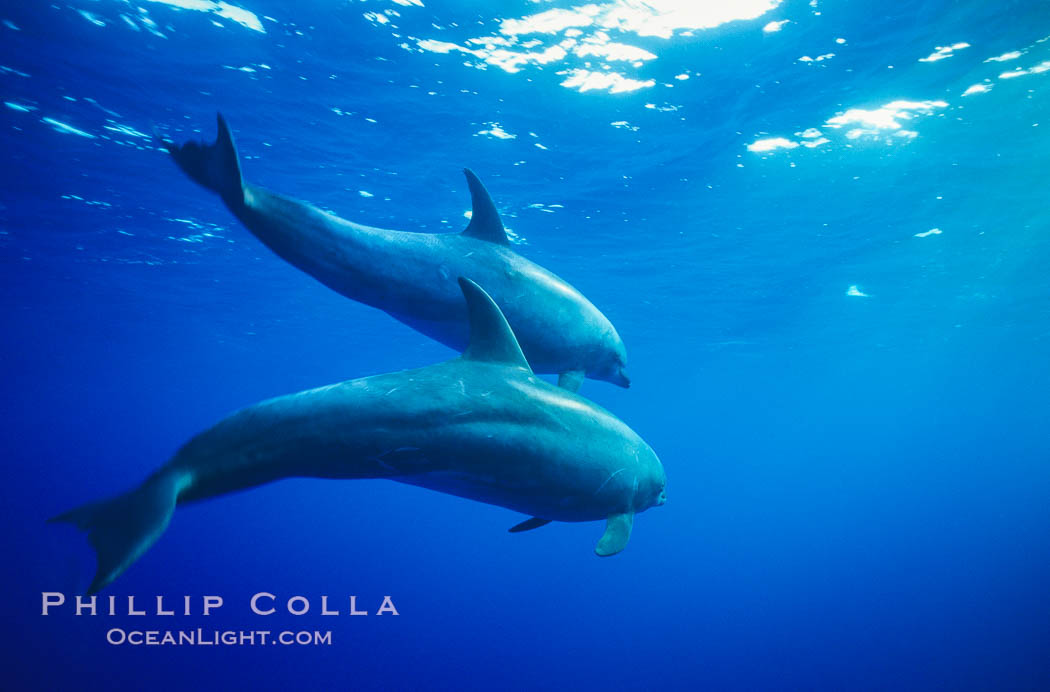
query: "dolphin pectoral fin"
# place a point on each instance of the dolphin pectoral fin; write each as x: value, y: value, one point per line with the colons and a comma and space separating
x: 617, y: 533
x: 485, y: 223
x: 571, y: 380
x: 491, y: 339
x: 529, y: 524
x: 213, y: 166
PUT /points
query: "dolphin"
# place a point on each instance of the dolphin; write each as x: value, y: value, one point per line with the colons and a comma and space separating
x: 481, y: 426
x: 411, y: 276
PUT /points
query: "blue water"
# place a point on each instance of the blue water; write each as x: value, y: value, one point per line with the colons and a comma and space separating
x: 839, y: 351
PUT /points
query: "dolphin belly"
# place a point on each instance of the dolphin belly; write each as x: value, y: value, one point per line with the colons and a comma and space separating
x: 536, y: 500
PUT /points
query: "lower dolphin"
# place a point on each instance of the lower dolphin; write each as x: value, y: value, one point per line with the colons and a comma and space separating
x: 411, y: 276
x: 481, y: 426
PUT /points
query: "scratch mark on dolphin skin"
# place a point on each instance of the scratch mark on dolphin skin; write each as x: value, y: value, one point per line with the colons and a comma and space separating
x: 379, y: 460
x: 611, y: 476
x: 555, y: 420
x: 392, y: 454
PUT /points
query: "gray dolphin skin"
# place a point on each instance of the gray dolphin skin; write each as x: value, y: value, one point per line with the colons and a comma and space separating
x: 412, y: 276
x: 481, y: 426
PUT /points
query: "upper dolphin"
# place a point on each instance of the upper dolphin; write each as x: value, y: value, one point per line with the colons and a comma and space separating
x: 481, y: 426
x: 412, y: 276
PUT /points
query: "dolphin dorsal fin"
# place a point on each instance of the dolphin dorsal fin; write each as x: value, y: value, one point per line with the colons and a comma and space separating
x: 491, y: 338
x: 484, y: 223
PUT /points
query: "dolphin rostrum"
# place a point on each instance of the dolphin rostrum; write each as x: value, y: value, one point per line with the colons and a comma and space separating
x: 481, y: 426
x: 411, y: 276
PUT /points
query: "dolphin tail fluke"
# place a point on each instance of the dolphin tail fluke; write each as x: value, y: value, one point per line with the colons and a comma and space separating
x: 122, y: 528
x: 212, y: 165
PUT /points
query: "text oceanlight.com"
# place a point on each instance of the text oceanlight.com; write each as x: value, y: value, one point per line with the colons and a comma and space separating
x: 202, y: 637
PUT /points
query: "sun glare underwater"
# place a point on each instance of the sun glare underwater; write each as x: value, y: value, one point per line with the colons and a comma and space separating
x: 813, y: 236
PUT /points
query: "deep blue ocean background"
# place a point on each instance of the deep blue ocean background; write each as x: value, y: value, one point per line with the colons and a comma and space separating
x: 852, y: 409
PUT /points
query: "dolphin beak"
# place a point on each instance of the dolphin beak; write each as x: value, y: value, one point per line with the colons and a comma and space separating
x: 622, y: 379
